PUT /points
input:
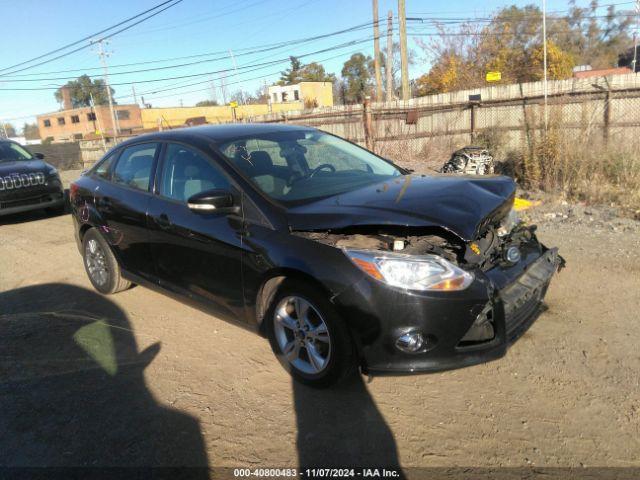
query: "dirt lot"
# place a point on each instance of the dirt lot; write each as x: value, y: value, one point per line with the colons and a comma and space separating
x: 140, y: 379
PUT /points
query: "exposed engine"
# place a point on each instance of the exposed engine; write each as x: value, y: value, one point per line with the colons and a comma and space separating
x: 499, y: 243
x: 470, y: 160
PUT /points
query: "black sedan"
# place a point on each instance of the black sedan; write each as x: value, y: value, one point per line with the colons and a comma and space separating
x: 341, y: 258
x: 27, y: 182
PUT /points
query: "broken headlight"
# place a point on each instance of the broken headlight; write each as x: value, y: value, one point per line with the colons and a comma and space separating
x: 413, y: 272
x: 508, y: 223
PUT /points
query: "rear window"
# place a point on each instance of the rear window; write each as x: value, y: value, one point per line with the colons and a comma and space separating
x: 101, y: 170
x: 134, y: 166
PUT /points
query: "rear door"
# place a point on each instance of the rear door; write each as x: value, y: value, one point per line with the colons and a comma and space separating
x: 122, y: 203
x: 198, y: 252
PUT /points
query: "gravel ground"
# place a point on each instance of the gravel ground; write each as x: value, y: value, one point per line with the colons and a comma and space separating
x: 140, y: 379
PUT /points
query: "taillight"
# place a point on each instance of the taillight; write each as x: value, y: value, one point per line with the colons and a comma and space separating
x: 73, y: 192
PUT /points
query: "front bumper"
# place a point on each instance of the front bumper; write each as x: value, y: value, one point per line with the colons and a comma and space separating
x: 378, y: 314
x: 23, y: 200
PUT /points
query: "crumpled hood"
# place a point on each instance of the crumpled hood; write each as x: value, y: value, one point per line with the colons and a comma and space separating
x: 460, y: 204
x: 20, y: 167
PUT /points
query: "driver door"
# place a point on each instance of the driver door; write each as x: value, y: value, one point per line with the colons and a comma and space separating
x: 195, y: 253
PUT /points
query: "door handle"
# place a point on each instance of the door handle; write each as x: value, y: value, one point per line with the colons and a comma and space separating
x: 164, y: 222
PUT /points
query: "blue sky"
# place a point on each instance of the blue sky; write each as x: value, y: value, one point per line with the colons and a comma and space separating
x: 193, y: 27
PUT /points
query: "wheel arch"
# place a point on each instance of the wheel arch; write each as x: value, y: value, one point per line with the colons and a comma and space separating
x: 269, y: 287
x: 83, y: 230
x: 270, y: 284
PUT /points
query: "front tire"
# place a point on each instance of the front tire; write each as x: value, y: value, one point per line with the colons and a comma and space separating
x: 101, y: 265
x: 308, y: 337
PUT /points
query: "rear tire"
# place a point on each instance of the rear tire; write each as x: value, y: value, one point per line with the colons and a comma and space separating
x: 320, y: 350
x: 101, y: 265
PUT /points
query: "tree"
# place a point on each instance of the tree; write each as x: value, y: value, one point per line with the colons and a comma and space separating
x: 356, y: 78
x: 511, y: 43
x: 395, y: 64
x: 445, y: 76
x: 292, y: 74
x: 207, y: 103
x: 8, y: 129
x: 314, y: 72
x: 81, y: 90
x: 30, y: 131
x: 559, y: 63
x: 297, y: 72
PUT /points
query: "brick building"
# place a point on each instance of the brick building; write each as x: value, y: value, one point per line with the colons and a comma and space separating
x: 72, y: 124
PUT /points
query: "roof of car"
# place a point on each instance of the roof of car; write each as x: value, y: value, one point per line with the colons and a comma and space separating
x: 221, y: 133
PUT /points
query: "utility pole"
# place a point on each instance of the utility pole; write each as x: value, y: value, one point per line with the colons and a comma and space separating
x: 635, y: 38
x: 235, y: 71
x: 544, y: 49
x: 93, y: 107
x: 213, y: 89
x: 389, y: 60
x: 376, y: 51
x: 102, y: 55
x: 223, y: 88
x: 133, y: 91
x: 402, y: 21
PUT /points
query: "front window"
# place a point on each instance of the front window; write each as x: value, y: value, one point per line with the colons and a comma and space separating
x: 12, y: 152
x: 299, y: 166
x: 186, y: 173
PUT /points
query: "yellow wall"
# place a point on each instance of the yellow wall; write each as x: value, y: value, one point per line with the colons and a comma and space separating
x: 321, y: 91
x: 175, y: 117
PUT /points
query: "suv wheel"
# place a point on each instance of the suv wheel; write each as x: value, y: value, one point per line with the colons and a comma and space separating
x: 101, y: 265
x: 308, y: 337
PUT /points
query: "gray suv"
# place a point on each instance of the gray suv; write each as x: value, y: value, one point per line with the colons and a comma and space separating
x: 27, y: 182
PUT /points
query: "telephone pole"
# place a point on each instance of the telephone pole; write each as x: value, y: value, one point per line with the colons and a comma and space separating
x: 635, y: 38
x: 133, y: 91
x: 102, y: 54
x: 402, y: 21
x: 93, y: 108
x: 388, y: 68
x: 376, y: 51
x: 544, y: 48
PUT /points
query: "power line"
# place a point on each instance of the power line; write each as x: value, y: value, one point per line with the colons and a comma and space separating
x: 252, y: 67
x: 238, y: 81
x: 201, y: 18
x: 224, y: 57
x: 175, y: 2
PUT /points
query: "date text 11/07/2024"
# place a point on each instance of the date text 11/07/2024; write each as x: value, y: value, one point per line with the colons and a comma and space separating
x: 317, y: 472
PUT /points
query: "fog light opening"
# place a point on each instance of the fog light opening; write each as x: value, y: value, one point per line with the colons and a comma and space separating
x: 482, y: 329
x: 410, y: 342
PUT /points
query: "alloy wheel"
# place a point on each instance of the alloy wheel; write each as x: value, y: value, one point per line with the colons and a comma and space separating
x: 96, y: 262
x: 302, y: 335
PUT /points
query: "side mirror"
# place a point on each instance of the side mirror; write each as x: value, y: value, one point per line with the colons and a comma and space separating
x: 213, y: 201
x: 39, y: 156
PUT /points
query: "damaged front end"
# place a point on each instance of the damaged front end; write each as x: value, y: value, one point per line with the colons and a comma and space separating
x: 443, y: 301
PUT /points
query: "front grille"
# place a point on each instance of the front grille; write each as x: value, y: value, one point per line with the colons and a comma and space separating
x: 520, y: 319
x: 21, y: 180
x: 522, y: 299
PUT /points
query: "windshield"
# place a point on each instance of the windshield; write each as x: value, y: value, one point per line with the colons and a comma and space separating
x: 11, y: 152
x: 300, y: 166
